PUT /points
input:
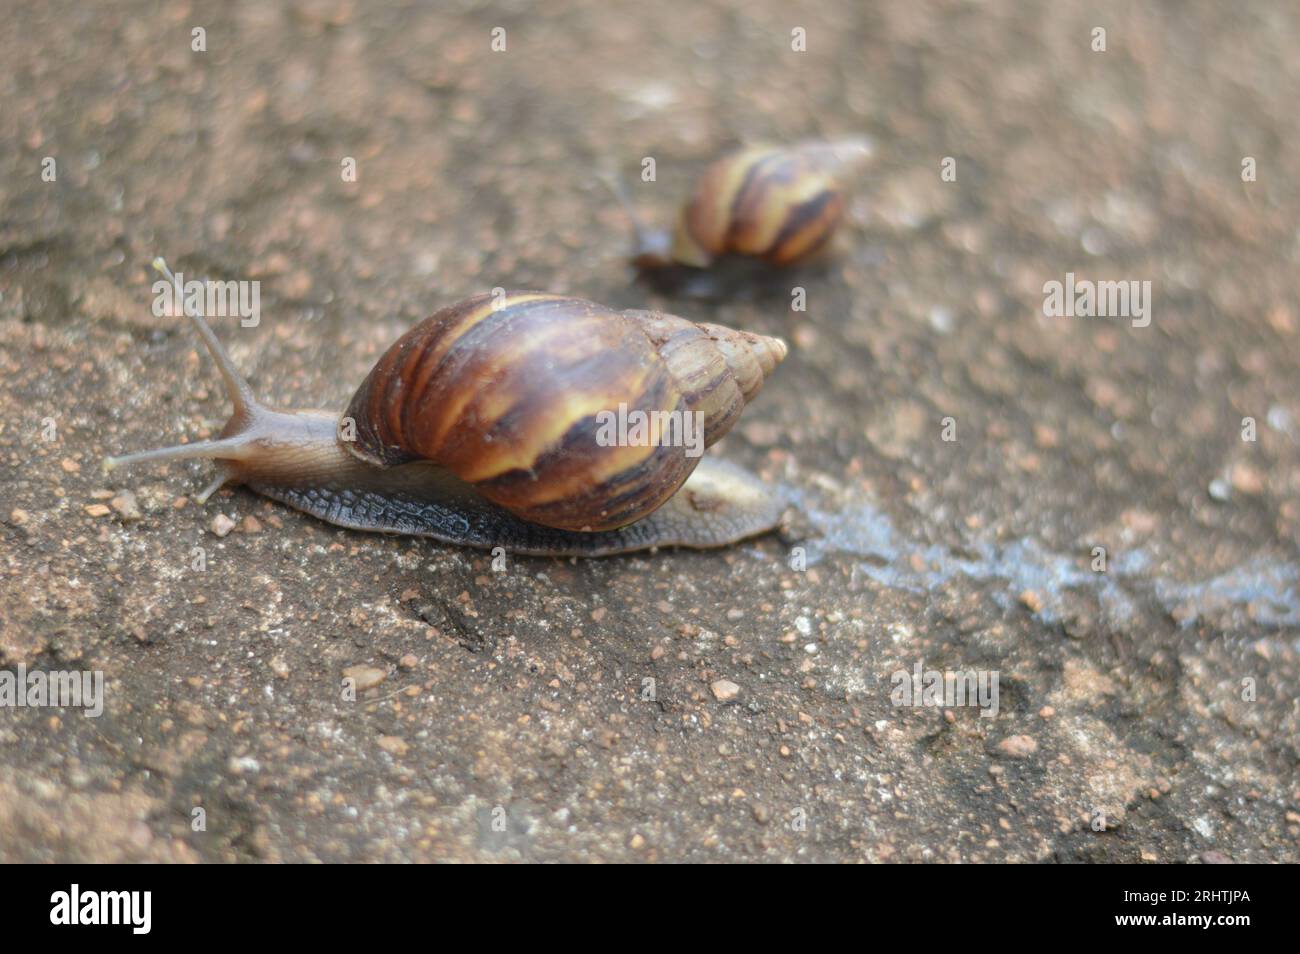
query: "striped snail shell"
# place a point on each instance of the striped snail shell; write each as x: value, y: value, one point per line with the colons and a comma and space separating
x: 482, y: 426
x: 506, y: 392
x: 777, y: 204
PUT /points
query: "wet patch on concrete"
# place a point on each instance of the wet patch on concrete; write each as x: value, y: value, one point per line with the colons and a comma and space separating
x: 1265, y: 588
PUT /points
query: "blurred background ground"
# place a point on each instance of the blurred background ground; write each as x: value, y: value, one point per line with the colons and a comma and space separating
x: 506, y: 719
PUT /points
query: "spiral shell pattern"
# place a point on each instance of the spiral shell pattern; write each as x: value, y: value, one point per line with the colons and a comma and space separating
x: 506, y: 392
x: 780, y: 205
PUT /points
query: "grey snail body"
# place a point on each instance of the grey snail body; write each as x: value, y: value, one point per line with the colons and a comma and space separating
x: 481, y: 427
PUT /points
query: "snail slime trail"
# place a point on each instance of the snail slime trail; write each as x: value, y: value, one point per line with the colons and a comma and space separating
x: 479, y: 427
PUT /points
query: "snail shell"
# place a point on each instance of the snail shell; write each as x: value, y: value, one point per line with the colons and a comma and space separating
x: 506, y: 393
x: 481, y: 426
x: 779, y: 205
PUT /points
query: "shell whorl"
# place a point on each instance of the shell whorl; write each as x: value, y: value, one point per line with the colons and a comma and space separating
x: 719, y: 369
x: 506, y: 393
x: 777, y: 204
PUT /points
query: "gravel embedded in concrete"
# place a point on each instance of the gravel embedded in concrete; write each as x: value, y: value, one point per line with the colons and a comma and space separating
x: 1072, y: 504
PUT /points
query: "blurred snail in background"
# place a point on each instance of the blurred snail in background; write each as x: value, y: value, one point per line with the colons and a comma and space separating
x: 481, y: 426
x: 774, y: 206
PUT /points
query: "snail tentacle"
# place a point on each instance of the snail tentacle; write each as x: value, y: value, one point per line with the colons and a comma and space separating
x: 231, y: 446
x: 651, y: 247
x: 241, y: 394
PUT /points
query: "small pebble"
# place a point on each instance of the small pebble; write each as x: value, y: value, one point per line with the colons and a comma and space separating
x: 1018, y: 746
x: 221, y: 525
x: 941, y: 319
x: 127, y: 507
x: 724, y: 690
x: 1247, y: 480
x: 365, y: 677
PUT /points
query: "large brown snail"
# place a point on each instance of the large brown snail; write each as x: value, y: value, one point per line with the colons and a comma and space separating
x: 770, y: 206
x: 488, y: 424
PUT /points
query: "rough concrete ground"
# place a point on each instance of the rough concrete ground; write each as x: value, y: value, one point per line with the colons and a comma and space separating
x: 509, y: 718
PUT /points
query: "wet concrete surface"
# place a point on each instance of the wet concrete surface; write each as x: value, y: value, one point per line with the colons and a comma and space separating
x: 731, y: 705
